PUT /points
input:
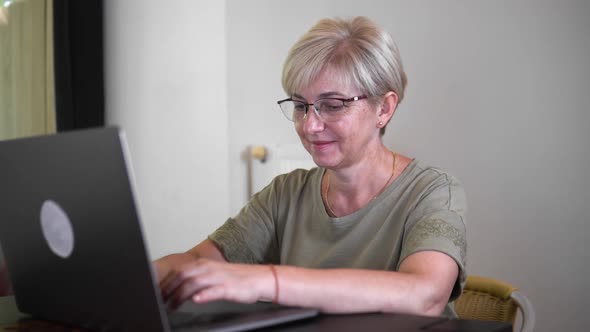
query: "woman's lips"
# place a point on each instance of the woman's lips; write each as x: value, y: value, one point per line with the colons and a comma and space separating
x: 321, y: 145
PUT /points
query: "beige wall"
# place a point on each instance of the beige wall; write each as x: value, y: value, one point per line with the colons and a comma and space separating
x: 166, y: 87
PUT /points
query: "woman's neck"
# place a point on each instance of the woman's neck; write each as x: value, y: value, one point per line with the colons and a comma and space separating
x: 347, y: 190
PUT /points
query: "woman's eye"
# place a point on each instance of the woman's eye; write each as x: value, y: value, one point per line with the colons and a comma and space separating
x: 299, y: 107
x: 331, y: 107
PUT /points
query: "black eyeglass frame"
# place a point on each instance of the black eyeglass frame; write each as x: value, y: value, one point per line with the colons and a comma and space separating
x: 307, y: 105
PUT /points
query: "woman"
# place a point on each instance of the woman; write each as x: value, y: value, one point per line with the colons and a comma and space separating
x: 368, y: 229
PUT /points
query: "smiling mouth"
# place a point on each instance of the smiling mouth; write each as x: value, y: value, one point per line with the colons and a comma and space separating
x: 321, y: 144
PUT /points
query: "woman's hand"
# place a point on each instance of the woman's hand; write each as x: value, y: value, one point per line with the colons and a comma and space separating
x: 205, y: 280
x: 164, y: 265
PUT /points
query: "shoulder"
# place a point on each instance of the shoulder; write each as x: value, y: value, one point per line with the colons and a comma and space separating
x: 430, y: 175
x: 297, y: 179
x: 285, y: 186
x: 424, y: 177
x: 431, y: 184
x: 287, y: 190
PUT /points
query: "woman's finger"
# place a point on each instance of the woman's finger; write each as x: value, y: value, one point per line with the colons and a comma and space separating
x: 175, y: 278
x: 213, y: 293
x: 190, y: 287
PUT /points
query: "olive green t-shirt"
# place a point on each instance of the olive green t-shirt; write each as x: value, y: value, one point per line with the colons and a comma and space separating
x: 287, y: 223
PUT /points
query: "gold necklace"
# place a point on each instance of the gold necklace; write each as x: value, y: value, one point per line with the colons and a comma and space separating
x: 378, y: 193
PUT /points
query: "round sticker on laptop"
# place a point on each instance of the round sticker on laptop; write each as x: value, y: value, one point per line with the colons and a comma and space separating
x: 57, y: 229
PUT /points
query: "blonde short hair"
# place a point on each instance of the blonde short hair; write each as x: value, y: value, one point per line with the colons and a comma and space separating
x: 361, y: 52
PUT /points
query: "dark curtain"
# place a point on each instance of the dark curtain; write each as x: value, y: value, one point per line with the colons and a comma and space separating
x: 78, y: 59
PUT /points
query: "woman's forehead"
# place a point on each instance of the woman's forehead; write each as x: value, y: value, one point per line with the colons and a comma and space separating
x: 329, y: 83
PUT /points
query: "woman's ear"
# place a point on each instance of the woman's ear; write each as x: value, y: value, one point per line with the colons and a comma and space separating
x: 388, y: 107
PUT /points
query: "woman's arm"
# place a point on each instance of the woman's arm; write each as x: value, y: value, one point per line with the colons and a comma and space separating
x: 422, y: 286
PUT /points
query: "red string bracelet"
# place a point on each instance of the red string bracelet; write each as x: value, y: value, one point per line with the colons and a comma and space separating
x: 274, y: 273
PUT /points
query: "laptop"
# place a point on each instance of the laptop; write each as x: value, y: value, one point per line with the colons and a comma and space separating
x: 74, y: 246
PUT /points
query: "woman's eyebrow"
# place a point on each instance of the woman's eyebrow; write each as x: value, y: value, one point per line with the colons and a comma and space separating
x: 330, y: 94
x: 327, y: 94
x: 297, y: 96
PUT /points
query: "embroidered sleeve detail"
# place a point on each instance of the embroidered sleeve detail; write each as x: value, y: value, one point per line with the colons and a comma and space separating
x: 427, y: 230
x: 229, y: 239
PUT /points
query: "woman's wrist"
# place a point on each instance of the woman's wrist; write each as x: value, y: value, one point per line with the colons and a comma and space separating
x: 276, y: 283
x: 267, y: 283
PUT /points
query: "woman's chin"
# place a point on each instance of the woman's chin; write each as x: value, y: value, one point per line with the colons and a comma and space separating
x: 323, y: 155
x: 322, y: 161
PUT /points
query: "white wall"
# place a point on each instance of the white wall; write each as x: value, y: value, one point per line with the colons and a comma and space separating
x: 497, y: 96
x: 166, y: 87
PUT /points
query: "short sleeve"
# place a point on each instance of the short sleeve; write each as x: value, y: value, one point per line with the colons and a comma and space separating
x: 250, y: 236
x: 438, y: 223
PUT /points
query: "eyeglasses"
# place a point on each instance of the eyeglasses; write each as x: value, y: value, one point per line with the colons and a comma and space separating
x: 327, y: 109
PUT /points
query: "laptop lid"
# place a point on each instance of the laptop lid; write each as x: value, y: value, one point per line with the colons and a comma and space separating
x: 71, y: 234
x: 73, y: 241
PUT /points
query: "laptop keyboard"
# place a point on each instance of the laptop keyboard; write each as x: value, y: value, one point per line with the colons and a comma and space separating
x: 228, y: 316
x: 188, y: 319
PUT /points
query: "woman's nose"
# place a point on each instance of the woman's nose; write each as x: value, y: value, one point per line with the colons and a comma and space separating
x: 312, y: 122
